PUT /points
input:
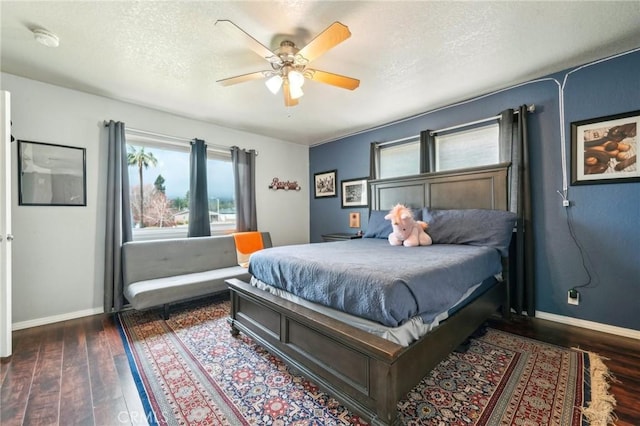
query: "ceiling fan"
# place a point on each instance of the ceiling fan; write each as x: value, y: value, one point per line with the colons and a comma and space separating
x: 289, y: 65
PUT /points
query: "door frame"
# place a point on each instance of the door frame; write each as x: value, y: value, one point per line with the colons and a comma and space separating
x: 5, y: 225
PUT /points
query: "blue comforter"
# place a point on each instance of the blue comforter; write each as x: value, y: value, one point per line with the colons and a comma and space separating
x: 374, y: 280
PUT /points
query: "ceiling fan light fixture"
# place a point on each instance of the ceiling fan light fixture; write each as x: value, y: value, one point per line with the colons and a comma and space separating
x: 296, y: 79
x: 295, y: 91
x: 274, y: 83
x: 289, y: 64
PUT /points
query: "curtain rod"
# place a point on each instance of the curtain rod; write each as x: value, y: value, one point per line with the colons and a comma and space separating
x: 175, y: 139
x: 399, y: 140
x: 530, y: 108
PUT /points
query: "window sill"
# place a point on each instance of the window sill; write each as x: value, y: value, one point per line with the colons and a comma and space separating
x: 147, y: 234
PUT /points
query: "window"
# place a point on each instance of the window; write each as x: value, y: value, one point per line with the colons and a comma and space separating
x: 160, y: 206
x: 402, y: 159
x: 467, y: 148
x: 220, y: 186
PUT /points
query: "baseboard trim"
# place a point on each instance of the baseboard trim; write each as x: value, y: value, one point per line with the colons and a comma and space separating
x: 605, y: 328
x: 55, y: 318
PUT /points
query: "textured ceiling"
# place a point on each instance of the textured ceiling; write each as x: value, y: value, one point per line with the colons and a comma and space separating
x: 410, y: 57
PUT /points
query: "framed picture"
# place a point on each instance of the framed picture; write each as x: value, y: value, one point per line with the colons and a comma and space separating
x: 354, y: 219
x: 325, y: 184
x: 51, y: 175
x: 604, y: 149
x: 354, y: 193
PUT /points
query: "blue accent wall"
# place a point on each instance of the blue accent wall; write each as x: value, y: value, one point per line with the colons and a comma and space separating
x: 605, y: 217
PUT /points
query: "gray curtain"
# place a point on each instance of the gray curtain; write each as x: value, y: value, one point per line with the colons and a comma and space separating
x: 374, y: 167
x: 245, y: 188
x: 427, y: 151
x: 515, y: 147
x: 199, y: 223
x: 118, y: 229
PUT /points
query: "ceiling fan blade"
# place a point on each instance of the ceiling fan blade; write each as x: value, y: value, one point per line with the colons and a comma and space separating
x: 288, y: 100
x: 242, y: 78
x: 333, y: 79
x: 335, y: 34
x: 234, y: 31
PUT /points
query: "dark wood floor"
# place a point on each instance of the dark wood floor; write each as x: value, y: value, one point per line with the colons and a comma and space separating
x: 76, y: 372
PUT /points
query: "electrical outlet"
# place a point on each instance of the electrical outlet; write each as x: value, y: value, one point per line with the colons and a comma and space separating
x: 573, y: 297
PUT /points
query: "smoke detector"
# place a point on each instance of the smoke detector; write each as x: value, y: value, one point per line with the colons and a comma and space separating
x: 45, y: 37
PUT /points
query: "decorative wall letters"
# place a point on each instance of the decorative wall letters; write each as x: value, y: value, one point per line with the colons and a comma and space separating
x: 278, y: 184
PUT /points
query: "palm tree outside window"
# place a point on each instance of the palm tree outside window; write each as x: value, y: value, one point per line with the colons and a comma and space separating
x: 141, y: 159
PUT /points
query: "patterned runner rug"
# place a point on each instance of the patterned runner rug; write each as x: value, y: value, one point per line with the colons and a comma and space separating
x: 190, y: 370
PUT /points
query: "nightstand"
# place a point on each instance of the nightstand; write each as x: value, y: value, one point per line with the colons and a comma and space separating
x: 340, y: 236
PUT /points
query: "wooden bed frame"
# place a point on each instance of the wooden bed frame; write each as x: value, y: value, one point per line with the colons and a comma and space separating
x: 364, y: 372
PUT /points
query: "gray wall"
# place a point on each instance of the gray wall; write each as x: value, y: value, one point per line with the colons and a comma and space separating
x: 58, y: 252
x: 605, y: 217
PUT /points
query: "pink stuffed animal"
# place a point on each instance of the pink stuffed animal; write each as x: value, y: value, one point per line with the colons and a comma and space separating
x: 406, y: 230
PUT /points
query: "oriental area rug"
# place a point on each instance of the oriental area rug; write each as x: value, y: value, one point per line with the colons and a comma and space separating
x: 189, y: 370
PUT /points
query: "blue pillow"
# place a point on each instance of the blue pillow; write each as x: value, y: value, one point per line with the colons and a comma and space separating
x: 477, y: 227
x: 379, y: 227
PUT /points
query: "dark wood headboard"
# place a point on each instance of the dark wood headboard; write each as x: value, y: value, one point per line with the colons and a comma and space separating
x: 477, y: 188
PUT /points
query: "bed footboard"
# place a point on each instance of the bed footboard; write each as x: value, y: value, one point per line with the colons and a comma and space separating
x: 366, y: 373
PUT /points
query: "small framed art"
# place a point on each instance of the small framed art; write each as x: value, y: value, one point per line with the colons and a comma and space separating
x: 51, y: 175
x: 604, y: 149
x: 354, y: 219
x: 324, y: 184
x: 354, y: 193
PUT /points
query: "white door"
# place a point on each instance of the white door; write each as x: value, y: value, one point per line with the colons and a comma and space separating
x: 5, y: 224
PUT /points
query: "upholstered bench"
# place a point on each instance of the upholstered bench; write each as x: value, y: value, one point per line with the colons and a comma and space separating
x: 161, y: 272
